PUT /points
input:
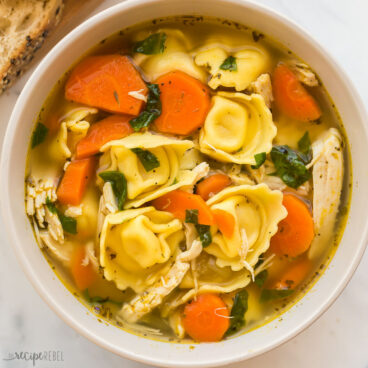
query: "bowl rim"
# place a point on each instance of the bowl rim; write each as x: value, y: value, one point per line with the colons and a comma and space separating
x: 6, y: 207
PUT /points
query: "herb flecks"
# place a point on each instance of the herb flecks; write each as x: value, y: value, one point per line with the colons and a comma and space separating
x: 229, y: 64
x: 290, y: 166
x: 152, y: 110
x: 116, y: 96
x: 204, y: 231
x: 238, y: 311
x: 147, y: 159
x: 260, y: 158
x: 119, y: 185
x: 153, y: 44
x: 39, y: 134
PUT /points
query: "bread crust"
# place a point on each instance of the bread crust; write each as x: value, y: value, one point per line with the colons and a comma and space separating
x: 17, y: 61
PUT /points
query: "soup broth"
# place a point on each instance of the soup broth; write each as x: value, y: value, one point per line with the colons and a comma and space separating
x: 188, y: 179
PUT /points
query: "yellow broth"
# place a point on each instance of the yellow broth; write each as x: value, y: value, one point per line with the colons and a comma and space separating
x: 289, y: 131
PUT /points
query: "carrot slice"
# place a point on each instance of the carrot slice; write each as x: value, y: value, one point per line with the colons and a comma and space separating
x: 291, y: 97
x: 206, y: 319
x: 185, y: 103
x: 225, y: 221
x: 108, y: 129
x: 296, y: 231
x: 178, y: 201
x: 104, y: 82
x: 212, y: 185
x: 294, y: 275
x: 74, y: 181
x: 83, y: 276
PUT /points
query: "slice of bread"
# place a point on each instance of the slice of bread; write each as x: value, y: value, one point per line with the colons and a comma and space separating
x: 24, y: 25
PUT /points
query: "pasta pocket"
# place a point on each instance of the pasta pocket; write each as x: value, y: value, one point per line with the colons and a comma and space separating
x: 256, y: 211
x: 145, y: 184
x: 248, y: 64
x: 174, y: 57
x: 139, y: 246
x: 237, y: 127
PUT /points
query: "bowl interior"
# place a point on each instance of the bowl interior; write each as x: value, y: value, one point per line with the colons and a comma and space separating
x: 63, y: 302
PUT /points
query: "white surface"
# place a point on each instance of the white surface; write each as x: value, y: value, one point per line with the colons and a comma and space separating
x: 338, y: 339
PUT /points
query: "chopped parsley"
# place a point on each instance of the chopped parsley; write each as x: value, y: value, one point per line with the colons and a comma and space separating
x: 229, y: 64
x: 260, y: 158
x: 39, y: 134
x: 147, y: 158
x: 152, y: 110
x: 237, y: 315
x: 98, y: 299
x: 119, y: 185
x: 153, y: 44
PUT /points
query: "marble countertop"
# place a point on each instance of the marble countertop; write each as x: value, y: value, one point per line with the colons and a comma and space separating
x: 338, y: 339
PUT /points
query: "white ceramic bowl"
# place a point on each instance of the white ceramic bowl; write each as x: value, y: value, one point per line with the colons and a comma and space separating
x: 64, y: 303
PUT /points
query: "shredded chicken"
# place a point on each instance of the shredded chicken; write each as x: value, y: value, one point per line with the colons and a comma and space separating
x: 107, y: 205
x: 263, y: 87
x: 90, y: 256
x: 74, y: 211
x: 303, y: 73
x: 138, y: 95
x: 327, y: 185
x: 153, y: 296
x: 54, y: 226
x: 37, y: 193
x: 62, y: 252
x: 176, y: 323
x: 244, y: 250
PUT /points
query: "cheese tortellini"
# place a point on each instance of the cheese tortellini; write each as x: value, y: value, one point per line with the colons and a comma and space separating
x: 256, y: 210
x: 138, y: 246
x: 175, y: 57
x: 251, y: 62
x: 237, y: 127
x: 144, y: 186
x: 73, y: 128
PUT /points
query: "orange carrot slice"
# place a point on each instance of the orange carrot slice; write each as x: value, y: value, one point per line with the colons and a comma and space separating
x: 108, y: 129
x: 74, y: 181
x: 212, y: 185
x: 291, y: 97
x: 178, y: 201
x: 185, y: 103
x: 225, y: 222
x: 206, y: 319
x: 296, y: 231
x: 83, y: 276
x: 294, y: 275
x: 104, y: 82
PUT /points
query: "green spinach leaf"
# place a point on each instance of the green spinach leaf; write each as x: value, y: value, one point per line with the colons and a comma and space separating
x: 98, y: 299
x: 304, y: 146
x: 153, y: 44
x: 229, y: 64
x: 147, y: 158
x: 204, y: 231
x: 273, y: 294
x: 290, y: 166
x: 152, y: 110
x: 238, y: 311
x: 260, y: 159
x: 119, y: 185
x: 39, y: 134
x: 69, y: 224
x: 261, y: 278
